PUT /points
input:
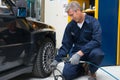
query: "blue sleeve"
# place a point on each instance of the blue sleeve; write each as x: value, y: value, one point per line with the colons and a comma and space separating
x: 67, y: 43
x: 96, y: 38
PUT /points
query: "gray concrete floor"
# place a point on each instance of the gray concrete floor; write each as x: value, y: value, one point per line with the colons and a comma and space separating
x: 101, y: 75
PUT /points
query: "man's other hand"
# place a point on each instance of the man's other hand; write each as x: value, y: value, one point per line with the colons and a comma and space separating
x: 54, y: 63
x: 75, y: 59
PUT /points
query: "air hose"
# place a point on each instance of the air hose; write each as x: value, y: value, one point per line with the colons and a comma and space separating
x: 57, y: 76
x: 101, y: 69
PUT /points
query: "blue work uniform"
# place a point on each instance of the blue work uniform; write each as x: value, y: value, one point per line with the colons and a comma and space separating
x: 87, y: 39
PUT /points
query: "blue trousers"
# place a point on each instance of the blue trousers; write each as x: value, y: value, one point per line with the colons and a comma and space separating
x: 71, y: 72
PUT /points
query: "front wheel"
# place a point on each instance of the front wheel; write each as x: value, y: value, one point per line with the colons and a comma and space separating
x: 44, y: 58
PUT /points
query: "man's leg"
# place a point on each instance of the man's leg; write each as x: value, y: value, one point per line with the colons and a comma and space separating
x: 71, y: 72
x: 96, y: 57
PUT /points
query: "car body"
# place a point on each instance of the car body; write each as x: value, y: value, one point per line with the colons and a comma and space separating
x: 30, y: 48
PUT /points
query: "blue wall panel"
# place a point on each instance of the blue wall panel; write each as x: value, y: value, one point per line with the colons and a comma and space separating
x: 108, y: 17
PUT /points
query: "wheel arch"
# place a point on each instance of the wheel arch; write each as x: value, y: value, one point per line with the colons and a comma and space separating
x: 39, y: 37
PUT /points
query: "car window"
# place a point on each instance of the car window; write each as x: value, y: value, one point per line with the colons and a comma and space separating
x: 12, y: 33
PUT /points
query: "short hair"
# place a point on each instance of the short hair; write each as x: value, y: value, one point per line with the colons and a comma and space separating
x: 74, y: 5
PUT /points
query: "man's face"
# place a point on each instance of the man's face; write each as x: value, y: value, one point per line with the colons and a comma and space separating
x: 75, y: 15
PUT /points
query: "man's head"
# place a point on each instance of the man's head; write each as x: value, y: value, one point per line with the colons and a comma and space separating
x: 74, y: 10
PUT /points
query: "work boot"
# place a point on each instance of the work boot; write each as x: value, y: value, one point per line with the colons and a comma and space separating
x: 92, y: 76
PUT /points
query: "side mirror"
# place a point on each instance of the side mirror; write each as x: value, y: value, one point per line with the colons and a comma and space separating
x: 21, y: 12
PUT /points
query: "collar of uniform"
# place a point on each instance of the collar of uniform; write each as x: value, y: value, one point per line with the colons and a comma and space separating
x: 87, y: 19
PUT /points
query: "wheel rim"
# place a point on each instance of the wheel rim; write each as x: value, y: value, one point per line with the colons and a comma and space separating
x: 48, y: 56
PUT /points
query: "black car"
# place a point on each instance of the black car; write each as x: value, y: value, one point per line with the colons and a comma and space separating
x: 26, y: 45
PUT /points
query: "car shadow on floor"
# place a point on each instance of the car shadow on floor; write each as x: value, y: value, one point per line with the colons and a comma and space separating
x: 23, y: 77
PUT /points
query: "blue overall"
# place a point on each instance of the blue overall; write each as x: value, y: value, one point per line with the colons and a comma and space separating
x: 87, y: 39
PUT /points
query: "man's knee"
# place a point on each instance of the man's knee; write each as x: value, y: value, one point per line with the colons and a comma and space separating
x: 71, y: 71
x: 67, y: 71
x: 96, y: 54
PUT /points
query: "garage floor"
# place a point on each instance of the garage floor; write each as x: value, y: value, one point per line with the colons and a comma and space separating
x: 101, y: 75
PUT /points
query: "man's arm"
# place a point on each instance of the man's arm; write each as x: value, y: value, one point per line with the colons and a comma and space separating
x: 96, y: 38
x: 67, y: 43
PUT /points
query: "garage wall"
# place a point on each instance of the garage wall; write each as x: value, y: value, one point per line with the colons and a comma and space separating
x: 108, y: 17
x: 1, y: 4
x: 118, y: 37
x: 56, y: 16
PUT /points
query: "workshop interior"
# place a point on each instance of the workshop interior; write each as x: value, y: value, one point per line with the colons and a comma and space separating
x: 41, y: 25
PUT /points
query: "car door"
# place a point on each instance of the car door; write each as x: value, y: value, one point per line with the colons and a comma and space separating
x: 12, y: 43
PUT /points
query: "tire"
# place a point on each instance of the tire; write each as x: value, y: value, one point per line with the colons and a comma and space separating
x: 44, y: 58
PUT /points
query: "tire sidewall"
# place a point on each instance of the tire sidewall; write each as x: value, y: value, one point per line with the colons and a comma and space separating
x: 38, y: 68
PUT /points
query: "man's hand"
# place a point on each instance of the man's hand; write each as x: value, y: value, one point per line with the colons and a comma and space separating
x: 75, y: 59
x: 54, y: 63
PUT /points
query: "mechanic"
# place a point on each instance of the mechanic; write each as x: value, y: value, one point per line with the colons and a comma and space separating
x: 82, y: 41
